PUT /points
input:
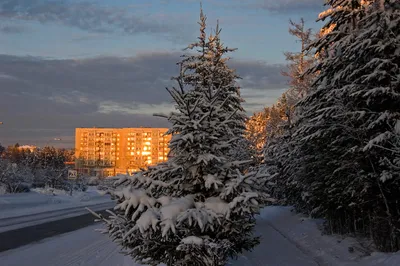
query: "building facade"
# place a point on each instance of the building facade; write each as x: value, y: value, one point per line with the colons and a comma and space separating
x: 111, y: 151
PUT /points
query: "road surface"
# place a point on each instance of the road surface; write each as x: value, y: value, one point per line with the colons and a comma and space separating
x: 86, y: 247
x: 23, y: 236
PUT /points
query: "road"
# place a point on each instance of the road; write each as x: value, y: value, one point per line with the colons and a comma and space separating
x: 274, y: 250
x: 86, y: 247
x: 23, y: 236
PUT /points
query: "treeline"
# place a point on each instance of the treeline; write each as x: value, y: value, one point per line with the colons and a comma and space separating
x: 22, y: 168
x: 333, y: 140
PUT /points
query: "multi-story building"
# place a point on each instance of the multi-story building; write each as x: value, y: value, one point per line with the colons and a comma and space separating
x: 112, y: 151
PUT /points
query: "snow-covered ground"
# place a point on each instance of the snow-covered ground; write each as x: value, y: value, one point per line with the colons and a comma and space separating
x: 39, y: 200
x: 305, y: 234
x: 42, y: 205
x: 288, y: 239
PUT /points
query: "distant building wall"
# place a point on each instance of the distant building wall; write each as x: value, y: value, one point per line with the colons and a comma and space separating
x: 112, y: 151
x: 27, y: 147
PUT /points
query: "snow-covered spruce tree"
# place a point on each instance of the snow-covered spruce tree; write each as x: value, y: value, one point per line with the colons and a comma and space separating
x: 344, y: 133
x: 211, y: 59
x: 277, y: 149
x: 298, y: 175
x: 256, y: 132
x: 299, y: 63
x: 197, y: 208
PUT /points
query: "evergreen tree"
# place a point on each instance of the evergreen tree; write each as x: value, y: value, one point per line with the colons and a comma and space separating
x: 277, y: 145
x: 198, y: 207
x: 256, y: 132
x: 342, y: 145
x: 299, y: 63
x: 200, y: 68
x: 2, y: 150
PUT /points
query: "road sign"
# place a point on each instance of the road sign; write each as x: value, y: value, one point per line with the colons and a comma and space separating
x: 72, y: 174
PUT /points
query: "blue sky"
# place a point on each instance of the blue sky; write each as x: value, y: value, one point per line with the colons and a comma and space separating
x: 258, y: 32
x: 53, y: 53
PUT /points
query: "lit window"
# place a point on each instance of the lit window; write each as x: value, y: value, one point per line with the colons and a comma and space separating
x: 129, y: 138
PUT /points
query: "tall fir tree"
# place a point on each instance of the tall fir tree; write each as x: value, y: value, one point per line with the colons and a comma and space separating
x: 277, y: 146
x: 342, y: 145
x: 299, y: 63
x: 211, y: 60
x: 197, y: 208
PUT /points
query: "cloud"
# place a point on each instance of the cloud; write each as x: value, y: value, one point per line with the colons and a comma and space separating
x: 110, y: 107
x: 59, y: 95
x: 89, y: 17
x: 12, y: 29
x: 287, y: 6
x: 5, y: 76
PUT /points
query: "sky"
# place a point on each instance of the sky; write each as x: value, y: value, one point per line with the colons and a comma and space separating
x: 106, y: 63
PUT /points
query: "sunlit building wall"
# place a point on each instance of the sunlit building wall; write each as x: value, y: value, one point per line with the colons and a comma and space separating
x: 112, y: 151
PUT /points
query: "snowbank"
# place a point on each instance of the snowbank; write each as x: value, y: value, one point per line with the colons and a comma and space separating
x: 43, y: 200
x: 305, y: 233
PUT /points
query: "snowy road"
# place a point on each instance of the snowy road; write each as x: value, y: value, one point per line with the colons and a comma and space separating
x: 20, y: 237
x: 85, y: 247
x: 274, y: 250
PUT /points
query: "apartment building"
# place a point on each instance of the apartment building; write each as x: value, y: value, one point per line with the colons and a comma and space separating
x: 111, y: 151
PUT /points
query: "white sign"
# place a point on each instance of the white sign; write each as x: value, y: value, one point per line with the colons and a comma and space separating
x: 72, y: 174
